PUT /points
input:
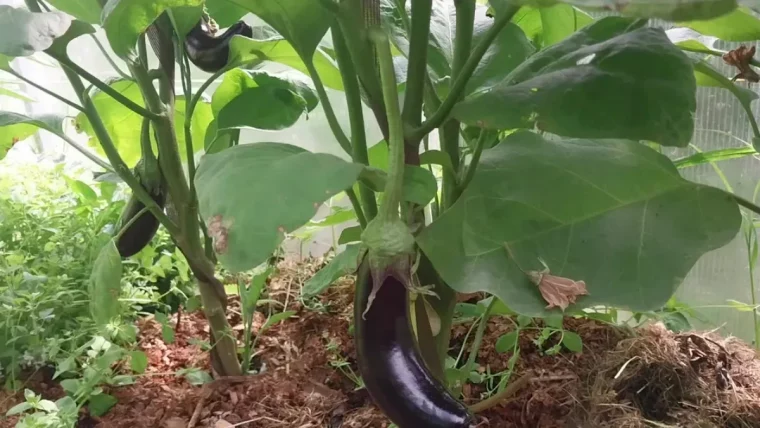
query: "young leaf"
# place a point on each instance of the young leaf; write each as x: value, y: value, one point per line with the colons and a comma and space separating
x: 506, y: 343
x: 342, y: 264
x: 100, y: 404
x: 138, y: 361
x: 22, y: 32
x: 523, y: 198
x: 105, y: 284
x: 592, y: 85
x: 572, y: 341
x: 249, y: 197
x: 737, y: 26
x: 259, y: 99
x: 350, y: 234
x: 18, y: 408
x: 125, y: 20
x: 274, y: 319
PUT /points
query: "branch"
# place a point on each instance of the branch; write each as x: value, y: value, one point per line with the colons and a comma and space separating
x: 49, y: 92
x: 463, y: 78
x: 142, y: 111
x: 417, y: 71
x: 109, y: 59
x: 355, y: 115
x: 327, y: 107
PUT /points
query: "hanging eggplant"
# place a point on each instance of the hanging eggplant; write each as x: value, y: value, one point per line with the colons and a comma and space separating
x: 390, y: 363
x: 208, y: 52
x: 139, y: 232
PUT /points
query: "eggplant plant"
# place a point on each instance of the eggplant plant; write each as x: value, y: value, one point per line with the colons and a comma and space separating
x: 554, y: 197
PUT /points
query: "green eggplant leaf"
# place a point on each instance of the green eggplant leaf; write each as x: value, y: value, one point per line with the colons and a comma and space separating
x: 16, y: 127
x: 692, y: 41
x: 124, y: 125
x: 605, y: 81
x: 251, y: 195
x: 420, y: 185
x: 5, y: 92
x: 714, y: 156
x: 546, y: 26
x: 85, y: 10
x: 350, y: 234
x: 276, y: 49
x: 737, y: 26
x: 105, y: 284
x: 76, y: 29
x: 262, y: 100
x: 22, y: 33
x: 669, y: 10
x: 224, y: 13
x: 125, y: 20
x: 302, y: 23
x: 344, y: 263
x: 100, y: 404
x: 633, y: 236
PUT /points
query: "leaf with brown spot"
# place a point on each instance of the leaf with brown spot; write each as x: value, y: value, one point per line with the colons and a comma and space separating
x: 254, y: 184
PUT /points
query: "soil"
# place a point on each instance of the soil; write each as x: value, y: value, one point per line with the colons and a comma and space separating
x: 622, y: 378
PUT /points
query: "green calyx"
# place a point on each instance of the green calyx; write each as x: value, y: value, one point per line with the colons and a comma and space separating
x: 390, y: 248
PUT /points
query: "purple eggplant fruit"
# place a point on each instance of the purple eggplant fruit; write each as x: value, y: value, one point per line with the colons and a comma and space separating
x: 208, y: 52
x: 391, y: 365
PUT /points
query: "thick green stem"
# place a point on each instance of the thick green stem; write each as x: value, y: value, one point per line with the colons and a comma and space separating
x: 394, y: 185
x: 213, y: 295
x: 465, y: 73
x: 351, y: 20
x: 417, y: 70
x: 355, y: 115
x: 327, y: 107
x: 463, y: 38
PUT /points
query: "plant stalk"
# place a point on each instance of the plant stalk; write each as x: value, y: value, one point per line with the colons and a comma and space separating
x: 355, y: 115
x: 332, y: 120
x: 213, y: 295
x: 394, y: 185
x: 417, y: 70
x: 465, y: 73
x: 48, y: 92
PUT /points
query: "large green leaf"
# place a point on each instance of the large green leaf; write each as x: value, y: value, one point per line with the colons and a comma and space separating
x: 105, y: 284
x: 124, y: 125
x: 613, y: 213
x: 302, y: 23
x: 85, y: 10
x: 251, y: 195
x: 125, y: 20
x: 16, y: 127
x: 597, y: 83
x: 276, y: 49
x: 738, y: 26
x: 549, y: 25
x: 23, y: 33
x: 262, y: 100
x: 671, y: 10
